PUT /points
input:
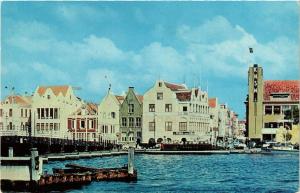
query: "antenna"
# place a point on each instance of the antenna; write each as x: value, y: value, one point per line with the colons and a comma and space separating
x: 251, y: 56
x: 109, y: 84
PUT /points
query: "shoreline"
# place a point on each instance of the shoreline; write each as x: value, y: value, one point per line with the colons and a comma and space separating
x: 88, y: 155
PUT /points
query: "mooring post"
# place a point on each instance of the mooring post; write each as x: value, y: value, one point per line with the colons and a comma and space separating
x: 35, y: 165
x: 130, y: 160
x: 10, y: 152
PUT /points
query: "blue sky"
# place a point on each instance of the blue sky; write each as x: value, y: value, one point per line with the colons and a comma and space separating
x: 135, y: 43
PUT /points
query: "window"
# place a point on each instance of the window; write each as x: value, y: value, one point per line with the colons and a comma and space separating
x: 131, y: 121
x: 25, y: 112
x: 55, y: 113
x: 113, y: 115
x: 37, y: 126
x: 168, y: 107
x: 42, y: 113
x: 47, y: 113
x: 48, y: 96
x: 1, y: 112
x: 182, y: 126
x: 131, y: 108
x: 168, y: 126
x: 82, y: 123
x: 10, y: 112
x: 51, y: 126
x: 268, y: 110
x: 21, y: 112
x: 138, y: 122
x: 124, y: 121
x: 184, y: 108
x: 51, y: 113
x: 159, y: 96
x: 151, y: 107
x: 159, y: 84
x: 151, y: 126
x: 277, y: 110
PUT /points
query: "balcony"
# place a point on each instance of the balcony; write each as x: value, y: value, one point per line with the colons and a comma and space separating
x: 269, y: 130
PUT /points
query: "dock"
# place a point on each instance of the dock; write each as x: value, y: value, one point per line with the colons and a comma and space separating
x: 26, y: 174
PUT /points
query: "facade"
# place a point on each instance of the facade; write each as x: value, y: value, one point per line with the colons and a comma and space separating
x: 214, y: 118
x: 172, y: 113
x: 224, y: 122
x: 273, y: 105
x: 51, y: 107
x: 83, y: 123
x: 15, y: 113
x: 109, y: 118
x: 131, y: 113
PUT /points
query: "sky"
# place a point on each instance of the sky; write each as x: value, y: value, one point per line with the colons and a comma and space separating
x: 92, y: 44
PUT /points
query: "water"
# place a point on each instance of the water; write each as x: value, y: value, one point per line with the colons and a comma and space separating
x: 199, y: 173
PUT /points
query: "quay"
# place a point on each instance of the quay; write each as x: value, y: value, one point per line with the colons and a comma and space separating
x: 26, y: 173
x: 210, y: 152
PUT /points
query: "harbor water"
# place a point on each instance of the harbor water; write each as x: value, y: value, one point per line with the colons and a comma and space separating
x: 199, y: 173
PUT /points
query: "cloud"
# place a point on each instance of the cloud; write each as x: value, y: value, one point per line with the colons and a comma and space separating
x: 218, y: 46
x: 49, y: 73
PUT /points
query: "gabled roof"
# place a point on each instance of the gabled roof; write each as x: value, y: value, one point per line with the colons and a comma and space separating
x: 120, y: 98
x: 140, y: 98
x: 212, y: 102
x: 282, y: 86
x: 184, y: 96
x: 20, y: 100
x: 91, y: 108
x: 55, y: 89
x: 175, y: 87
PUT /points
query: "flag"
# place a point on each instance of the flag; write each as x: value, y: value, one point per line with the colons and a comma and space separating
x: 251, y: 50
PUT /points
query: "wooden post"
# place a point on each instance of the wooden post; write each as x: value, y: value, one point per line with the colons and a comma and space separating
x: 10, y: 152
x: 130, y: 160
x: 35, y: 169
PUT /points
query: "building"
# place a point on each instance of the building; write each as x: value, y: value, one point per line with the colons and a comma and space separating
x: 214, y: 118
x: 51, y: 107
x: 15, y: 113
x: 109, y: 118
x: 83, y: 123
x: 131, y: 113
x: 172, y: 113
x: 224, y: 122
x: 270, y: 105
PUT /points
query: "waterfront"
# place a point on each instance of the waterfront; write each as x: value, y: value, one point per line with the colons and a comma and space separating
x: 199, y: 173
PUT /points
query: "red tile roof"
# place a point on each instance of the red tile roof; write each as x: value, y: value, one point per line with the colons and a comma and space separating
x: 21, y: 100
x: 282, y: 86
x: 184, y: 96
x: 212, y: 102
x: 120, y: 98
x: 140, y: 98
x: 174, y: 87
x: 55, y: 89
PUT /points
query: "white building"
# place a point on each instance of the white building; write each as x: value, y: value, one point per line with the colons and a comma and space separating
x: 15, y: 113
x: 214, y: 109
x: 173, y: 113
x: 108, y: 118
x: 51, y: 106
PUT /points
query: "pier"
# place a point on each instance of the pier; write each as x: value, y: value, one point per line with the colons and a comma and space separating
x: 26, y: 173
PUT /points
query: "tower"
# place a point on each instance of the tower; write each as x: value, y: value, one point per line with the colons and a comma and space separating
x: 255, y: 102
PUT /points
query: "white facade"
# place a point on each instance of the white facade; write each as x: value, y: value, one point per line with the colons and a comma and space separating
x: 172, y: 113
x: 108, y: 118
x: 14, y: 115
x: 51, y: 106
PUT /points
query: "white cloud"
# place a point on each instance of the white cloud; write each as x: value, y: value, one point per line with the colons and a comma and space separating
x: 49, y: 73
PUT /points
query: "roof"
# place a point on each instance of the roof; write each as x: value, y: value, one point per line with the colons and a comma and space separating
x: 212, y: 102
x: 55, y: 89
x: 184, y: 96
x: 175, y: 87
x: 140, y: 98
x: 91, y: 108
x: 281, y: 86
x: 120, y: 98
x: 21, y: 100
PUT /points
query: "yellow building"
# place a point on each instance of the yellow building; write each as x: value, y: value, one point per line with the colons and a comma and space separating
x: 270, y: 105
